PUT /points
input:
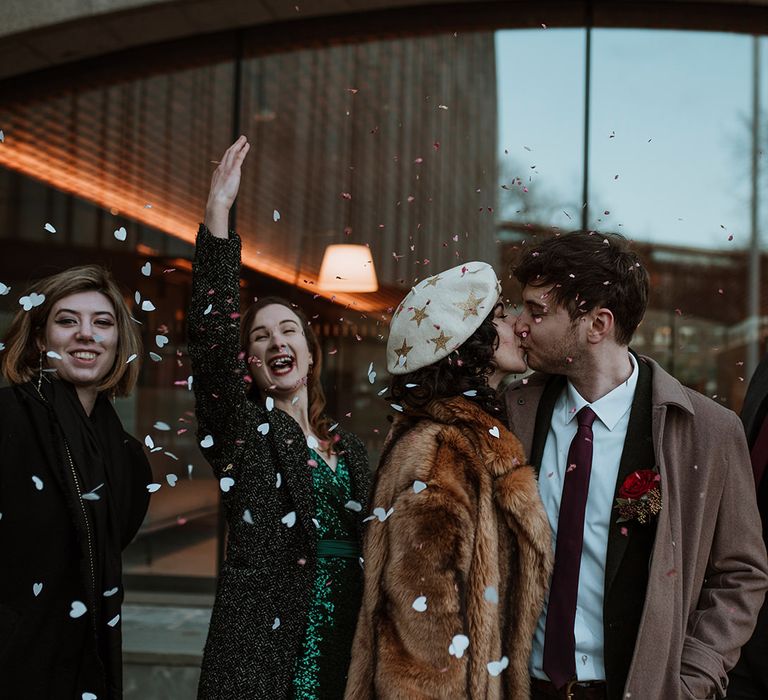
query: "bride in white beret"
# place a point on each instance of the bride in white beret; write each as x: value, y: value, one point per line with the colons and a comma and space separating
x: 457, y: 554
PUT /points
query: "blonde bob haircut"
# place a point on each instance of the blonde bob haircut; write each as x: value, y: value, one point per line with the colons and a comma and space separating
x: 21, y: 358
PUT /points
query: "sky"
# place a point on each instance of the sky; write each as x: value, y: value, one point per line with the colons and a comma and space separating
x: 670, y: 116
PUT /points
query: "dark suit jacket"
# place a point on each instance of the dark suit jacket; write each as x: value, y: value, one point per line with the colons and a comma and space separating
x: 629, y: 544
x: 750, y: 677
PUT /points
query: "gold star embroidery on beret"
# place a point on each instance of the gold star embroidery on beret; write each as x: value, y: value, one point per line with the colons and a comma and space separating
x: 402, y: 352
x: 440, y: 341
x: 419, y: 315
x: 469, y: 306
x: 432, y: 281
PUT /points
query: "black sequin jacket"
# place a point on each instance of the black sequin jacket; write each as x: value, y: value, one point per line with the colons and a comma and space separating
x: 265, y: 584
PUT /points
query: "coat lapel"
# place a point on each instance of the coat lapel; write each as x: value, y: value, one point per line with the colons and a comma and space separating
x: 554, y: 387
x: 291, y: 447
x: 637, y: 454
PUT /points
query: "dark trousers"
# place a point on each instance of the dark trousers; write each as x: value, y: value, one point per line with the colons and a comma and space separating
x: 749, y: 678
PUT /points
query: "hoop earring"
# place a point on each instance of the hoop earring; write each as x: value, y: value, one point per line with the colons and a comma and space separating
x: 40, y: 372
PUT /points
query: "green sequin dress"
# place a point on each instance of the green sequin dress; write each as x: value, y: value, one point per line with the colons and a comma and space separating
x: 322, y: 665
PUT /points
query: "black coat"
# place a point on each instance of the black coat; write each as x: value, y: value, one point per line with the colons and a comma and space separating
x: 264, y: 589
x: 749, y: 679
x: 45, y: 654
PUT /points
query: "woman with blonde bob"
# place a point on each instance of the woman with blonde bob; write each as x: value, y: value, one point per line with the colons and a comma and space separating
x: 72, y: 487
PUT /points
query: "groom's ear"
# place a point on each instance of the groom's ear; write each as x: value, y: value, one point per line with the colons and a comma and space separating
x: 601, y: 326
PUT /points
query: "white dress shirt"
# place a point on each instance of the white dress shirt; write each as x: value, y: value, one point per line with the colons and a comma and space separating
x: 609, y: 431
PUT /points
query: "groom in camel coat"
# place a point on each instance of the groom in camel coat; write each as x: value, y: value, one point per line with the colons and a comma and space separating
x: 666, y: 590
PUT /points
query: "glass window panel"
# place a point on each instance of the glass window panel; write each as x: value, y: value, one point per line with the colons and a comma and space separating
x: 669, y: 164
x: 540, y: 84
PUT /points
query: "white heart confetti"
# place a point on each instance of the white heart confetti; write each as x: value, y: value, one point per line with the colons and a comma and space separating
x: 418, y: 486
x: 161, y: 341
x: 92, y: 495
x: 276, y: 623
x: 121, y: 233
x: 37, y: 589
x: 226, y: 483
x: 110, y: 592
x: 31, y: 301
x: 354, y: 506
x: 146, y: 269
x: 131, y: 358
x: 289, y: 519
x: 114, y: 621
x: 496, y: 667
x: 207, y: 309
x: 207, y: 442
x: 270, y: 403
x: 149, y: 442
x: 4, y: 289
x: 38, y: 482
x: 491, y: 595
x: 278, y: 480
x: 312, y: 442
x: 137, y: 297
x: 458, y: 646
x: 247, y: 516
x: 381, y: 514
x: 494, y: 431
x: 153, y: 487
x: 77, y: 610
x: 275, y: 216
x: 155, y: 357
x: 160, y: 425
x: 263, y: 428
x: 50, y: 228
x: 89, y: 696
x: 471, y: 393
x: 171, y: 479
x: 147, y: 305
x: 420, y: 604
x: 53, y: 355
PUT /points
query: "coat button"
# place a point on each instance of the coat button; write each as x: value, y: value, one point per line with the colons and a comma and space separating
x: 521, y: 402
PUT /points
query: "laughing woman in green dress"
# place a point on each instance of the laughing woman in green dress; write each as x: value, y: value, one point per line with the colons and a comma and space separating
x: 295, y: 488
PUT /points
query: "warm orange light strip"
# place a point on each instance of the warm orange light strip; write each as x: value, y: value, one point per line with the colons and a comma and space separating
x: 97, y: 188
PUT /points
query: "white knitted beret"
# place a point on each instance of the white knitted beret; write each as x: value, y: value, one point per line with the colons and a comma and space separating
x: 439, y: 314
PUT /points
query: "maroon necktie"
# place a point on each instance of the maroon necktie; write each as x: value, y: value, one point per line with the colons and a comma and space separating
x: 559, y: 641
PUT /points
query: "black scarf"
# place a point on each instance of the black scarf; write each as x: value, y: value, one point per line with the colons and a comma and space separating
x: 110, y: 476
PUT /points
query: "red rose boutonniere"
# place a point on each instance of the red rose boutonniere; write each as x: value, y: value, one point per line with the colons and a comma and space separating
x: 639, y: 496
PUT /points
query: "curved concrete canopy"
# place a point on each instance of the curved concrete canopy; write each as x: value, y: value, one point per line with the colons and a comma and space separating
x: 36, y: 34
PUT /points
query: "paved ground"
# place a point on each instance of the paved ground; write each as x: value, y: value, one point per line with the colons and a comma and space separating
x: 162, y: 650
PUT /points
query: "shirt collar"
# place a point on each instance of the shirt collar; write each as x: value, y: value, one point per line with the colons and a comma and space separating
x: 610, y: 409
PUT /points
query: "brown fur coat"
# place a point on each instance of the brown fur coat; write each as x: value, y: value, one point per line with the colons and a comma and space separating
x: 478, y: 528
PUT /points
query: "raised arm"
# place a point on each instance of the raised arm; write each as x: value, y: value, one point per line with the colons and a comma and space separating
x: 219, y: 371
x: 225, y: 184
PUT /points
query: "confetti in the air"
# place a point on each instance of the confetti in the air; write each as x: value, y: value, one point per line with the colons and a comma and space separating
x: 50, y: 228
x: 458, y: 645
x: 121, y: 233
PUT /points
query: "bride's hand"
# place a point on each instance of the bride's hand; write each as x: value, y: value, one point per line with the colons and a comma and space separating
x: 225, y: 184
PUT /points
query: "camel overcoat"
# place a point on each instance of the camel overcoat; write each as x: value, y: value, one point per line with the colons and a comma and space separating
x: 708, y: 570
x: 463, y: 532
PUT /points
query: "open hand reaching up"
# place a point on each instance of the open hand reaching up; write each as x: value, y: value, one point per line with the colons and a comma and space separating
x: 225, y: 184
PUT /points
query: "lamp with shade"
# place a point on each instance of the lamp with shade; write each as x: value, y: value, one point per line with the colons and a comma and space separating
x: 347, y: 268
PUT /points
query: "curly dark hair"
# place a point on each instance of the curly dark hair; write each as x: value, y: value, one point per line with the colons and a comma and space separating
x: 466, y: 369
x: 590, y: 269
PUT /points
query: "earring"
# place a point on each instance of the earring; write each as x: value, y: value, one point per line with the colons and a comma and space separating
x: 40, y: 372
